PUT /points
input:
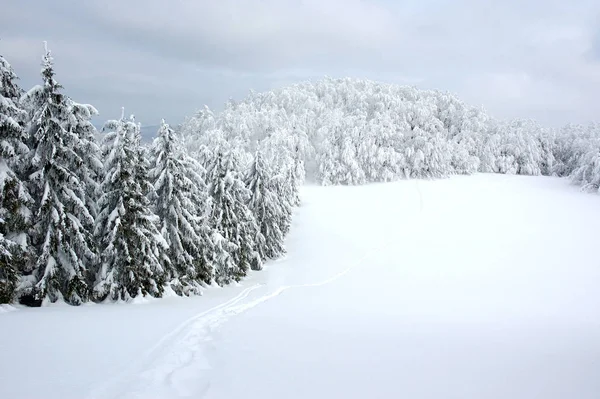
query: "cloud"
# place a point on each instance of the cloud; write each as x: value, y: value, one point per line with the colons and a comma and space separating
x: 529, y: 58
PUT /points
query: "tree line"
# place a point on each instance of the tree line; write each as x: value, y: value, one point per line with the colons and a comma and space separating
x: 83, y: 219
x: 352, y: 131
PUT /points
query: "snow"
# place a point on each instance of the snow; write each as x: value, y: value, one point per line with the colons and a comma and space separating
x: 4, y: 308
x: 470, y: 287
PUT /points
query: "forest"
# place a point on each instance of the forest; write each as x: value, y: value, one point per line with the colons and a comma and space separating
x: 97, y: 215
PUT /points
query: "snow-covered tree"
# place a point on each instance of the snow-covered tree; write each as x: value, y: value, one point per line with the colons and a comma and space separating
x: 132, y: 250
x: 268, y: 208
x: 195, y: 128
x: 90, y: 171
x: 9, y: 274
x: 231, y: 216
x: 587, y: 173
x: 182, y: 204
x: 294, y: 177
x: 15, y: 200
x: 356, y: 131
x: 338, y: 160
x: 514, y: 147
x: 571, y: 144
x: 60, y: 214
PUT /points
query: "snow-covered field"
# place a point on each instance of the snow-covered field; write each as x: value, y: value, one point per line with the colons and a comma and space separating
x: 471, y: 287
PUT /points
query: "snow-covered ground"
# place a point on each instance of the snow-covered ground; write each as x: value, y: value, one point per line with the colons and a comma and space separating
x: 471, y: 287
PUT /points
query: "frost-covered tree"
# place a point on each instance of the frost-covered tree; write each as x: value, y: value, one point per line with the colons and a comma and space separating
x: 379, y: 149
x: 231, y: 216
x: 587, y: 172
x: 195, y: 128
x: 60, y: 214
x: 426, y: 147
x: 90, y: 171
x: 356, y: 131
x: 359, y: 131
x: 15, y: 200
x: 514, y: 148
x: 182, y: 204
x: 268, y: 208
x: 338, y: 160
x: 132, y: 250
x: 294, y: 176
x: 571, y: 144
x: 9, y: 273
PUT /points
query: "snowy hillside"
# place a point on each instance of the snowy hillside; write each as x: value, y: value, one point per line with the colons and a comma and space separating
x: 468, y: 287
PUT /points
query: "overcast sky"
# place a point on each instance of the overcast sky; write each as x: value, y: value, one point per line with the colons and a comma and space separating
x: 517, y: 58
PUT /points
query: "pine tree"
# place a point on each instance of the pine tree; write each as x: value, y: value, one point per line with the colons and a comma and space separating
x: 289, y: 197
x: 90, y: 171
x: 232, y: 218
x: 181, y: 203
x: 15, y: 200
x: 60, y: 214
x: 132, y: 251
x: 9, y: 274
x: 266, y: 207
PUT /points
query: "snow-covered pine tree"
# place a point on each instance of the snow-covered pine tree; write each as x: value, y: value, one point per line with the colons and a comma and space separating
x: 181, y: 203
x: 231, y: 217
x: 59, y: 214
x: 296, y: 175
x: 267, y: 207
x: 15, y: 201
x: 132, y: 250
x: 80, y: 123
x: 9, y: 273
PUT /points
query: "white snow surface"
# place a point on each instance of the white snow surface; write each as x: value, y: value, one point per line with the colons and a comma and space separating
x: 482, y: 286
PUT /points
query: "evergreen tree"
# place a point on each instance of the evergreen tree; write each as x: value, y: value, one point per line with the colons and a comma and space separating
x: 232, y: 218
x: 181, y: 203
x: 289, y: 194
x: 60, y: 215
x: 132, y: 251
x: 90, y: 171
x: 15, y: 201
x: 266, y: 207
x: 9, y: 273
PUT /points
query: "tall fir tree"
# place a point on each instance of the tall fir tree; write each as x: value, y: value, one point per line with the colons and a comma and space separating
x: 15, y: 200
x: 181, y: 203
x: 289, y: 197
x: 232, y: 218
x: 266, y: 207
x: 132, y: 250
x: 90, y: 171
x: 60, y: 214
x: 286, y: 159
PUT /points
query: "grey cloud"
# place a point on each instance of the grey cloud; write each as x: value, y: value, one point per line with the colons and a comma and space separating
x: 167, y: 58
x: 595, y: 47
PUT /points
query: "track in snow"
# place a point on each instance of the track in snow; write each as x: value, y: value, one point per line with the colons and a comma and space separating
x: 161, y: 352
x: 179, y: 366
